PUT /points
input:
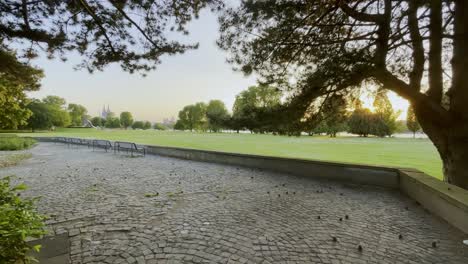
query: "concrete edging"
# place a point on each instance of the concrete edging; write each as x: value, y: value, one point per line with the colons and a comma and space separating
x: 442, y: 199
x: 447, y: 201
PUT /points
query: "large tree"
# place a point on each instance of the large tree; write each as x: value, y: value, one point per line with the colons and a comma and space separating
x: 217, y: 115
x: 57, y: 110
x: 384, y: 114
x: 78, y: 114
x: 126, y: 119
x: 192, y: 117
x: 253, y: 103
x: 16, y: 78
x: 416, y: 48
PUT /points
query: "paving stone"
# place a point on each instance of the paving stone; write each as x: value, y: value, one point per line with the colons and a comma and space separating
x: 99, y: 199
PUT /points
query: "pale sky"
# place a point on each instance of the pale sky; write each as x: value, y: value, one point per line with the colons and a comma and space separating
x: 198, y: 75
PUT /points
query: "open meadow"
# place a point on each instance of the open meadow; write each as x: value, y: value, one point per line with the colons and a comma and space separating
x: 398, y: 152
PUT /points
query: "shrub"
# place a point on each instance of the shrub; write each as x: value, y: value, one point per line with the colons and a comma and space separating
x: 19, y: 221
x: 15, y: 143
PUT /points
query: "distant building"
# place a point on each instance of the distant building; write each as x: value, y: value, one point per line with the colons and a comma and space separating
x: 169, y: 122
x: 105, y: 112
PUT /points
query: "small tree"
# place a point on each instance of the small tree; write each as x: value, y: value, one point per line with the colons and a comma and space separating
x: 98, y: 121
x: 126, y: 119
x: 112, y: 122
x: 412, y: 122
x: 138, y: 125
x: 159, y: 126
x: 147, y: 125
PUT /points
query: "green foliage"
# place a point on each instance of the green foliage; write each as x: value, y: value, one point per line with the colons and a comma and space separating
x: 16, y: 78
x: 332, y: 117
x: 112, y: 122
x: 192, y: 117
x: 126, y: 119
x: 19, y: 221
x: 77, y: 114
x: 249, y: 105
x: 147, y: 125
x: 360, y: 122
x: 15, y: 143
x: 138, y: 125
x: 412, y: 122
x: 386, y: 117
x: 217, y: 115
x: 98, y: 121
x: 48, y: 113
x: 159, y: 126
x: 131, y: 33
x: 179, y: 125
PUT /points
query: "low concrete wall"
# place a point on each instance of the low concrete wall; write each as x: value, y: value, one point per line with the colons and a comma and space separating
x: 351, y: 173
x: 440, y: 198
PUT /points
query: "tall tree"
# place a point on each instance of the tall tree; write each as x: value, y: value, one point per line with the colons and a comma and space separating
x: 330, y: 47
x: 77, y: 114
x: 192, y: 117
x: 126, y: 119
x: 360, y: 122
x: 16, y: 78
x: 217, y: 115
x: 251, y: 102
x: 41, y: 117
x: 412, y: 122
x: 385, y: 115
x: 57, y: 110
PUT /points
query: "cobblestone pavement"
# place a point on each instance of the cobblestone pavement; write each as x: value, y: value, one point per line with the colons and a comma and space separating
x: 118, y: 209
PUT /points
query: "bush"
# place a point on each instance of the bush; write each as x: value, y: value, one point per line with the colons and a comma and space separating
x: 18, y: 222
x: 15, y: 143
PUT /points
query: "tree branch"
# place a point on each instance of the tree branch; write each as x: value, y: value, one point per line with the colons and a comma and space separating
x: 435, y: 52
x: 376, y: 18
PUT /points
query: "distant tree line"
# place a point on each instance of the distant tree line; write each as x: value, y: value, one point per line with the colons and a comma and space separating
x: 260, y: 109
x: 125, y: 121
x: 52, y: 111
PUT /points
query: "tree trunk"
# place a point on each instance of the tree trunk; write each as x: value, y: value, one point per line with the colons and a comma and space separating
x: 455, y: 161
x: 452, y: 144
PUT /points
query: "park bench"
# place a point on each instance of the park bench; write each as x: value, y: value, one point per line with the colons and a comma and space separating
x: 76, y: 141
x: 128, y: 147
x: 99, y: 143
x: 60, y: 140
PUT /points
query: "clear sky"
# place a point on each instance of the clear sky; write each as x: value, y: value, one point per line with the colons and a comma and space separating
x: 198, y: 75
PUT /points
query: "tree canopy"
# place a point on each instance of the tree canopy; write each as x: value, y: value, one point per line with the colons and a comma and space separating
x: 78, y: 114
x: 217, y: 115
x: 126, y: 119
x: 132, y: 33
x: 16, y: 78
x: 192, y: 117
x: 317, y: 48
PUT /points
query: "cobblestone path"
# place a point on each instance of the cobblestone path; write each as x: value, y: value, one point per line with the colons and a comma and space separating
x: 118, y: 209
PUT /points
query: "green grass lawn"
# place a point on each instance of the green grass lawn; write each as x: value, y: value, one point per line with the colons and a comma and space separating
x: 397, y: 152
